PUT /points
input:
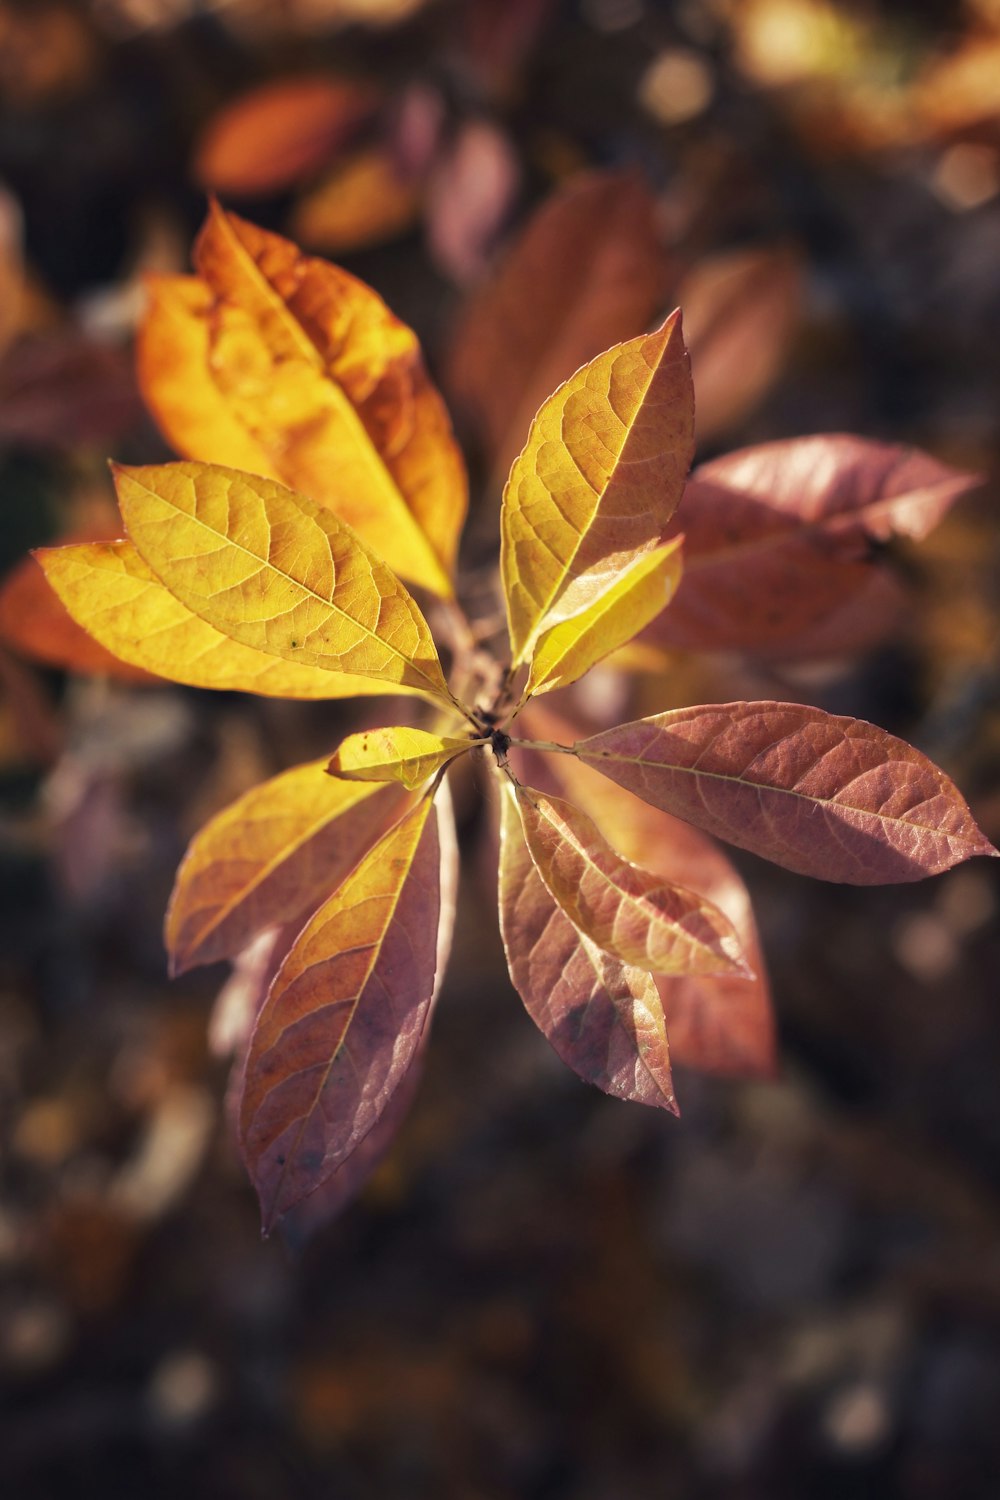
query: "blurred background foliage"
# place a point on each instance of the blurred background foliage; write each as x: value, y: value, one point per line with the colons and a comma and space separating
x: 542, y: 1293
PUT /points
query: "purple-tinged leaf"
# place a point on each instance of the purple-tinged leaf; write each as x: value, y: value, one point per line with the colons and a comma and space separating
x: 818, y: 793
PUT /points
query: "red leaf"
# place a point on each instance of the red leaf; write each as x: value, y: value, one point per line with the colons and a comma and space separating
x: 604, y: 1018
x: 715, y: 1024
x: 818, y: 793
x: 741, y: 310
x: 627, y: 911
x: 344, y: 1017
x: 780, y: 537
x: 587, y: 272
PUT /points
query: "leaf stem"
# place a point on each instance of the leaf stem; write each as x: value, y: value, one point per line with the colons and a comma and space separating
x: 543, y: 745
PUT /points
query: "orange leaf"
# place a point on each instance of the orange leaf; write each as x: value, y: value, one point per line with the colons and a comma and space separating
x: 365, y: 201
x: 280, y: 133
x: 316, y: 384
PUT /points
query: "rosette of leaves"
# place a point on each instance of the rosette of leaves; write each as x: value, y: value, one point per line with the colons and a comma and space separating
x: 320, y: 472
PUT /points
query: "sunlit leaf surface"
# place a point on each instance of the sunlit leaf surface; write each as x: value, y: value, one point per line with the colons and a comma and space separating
x: 117, y: 598
x: 275, y: 571
x: 598, y: 480
x: 396, y: 754
x: 818, y: 793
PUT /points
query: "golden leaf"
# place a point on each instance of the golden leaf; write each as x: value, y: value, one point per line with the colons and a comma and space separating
x: 268, y: 858
x: 118, y: 599
x: 601, y: 475
x: 396, y: 754
x: 275, y: 571
x: 567, y: 651
x: 315, y: 373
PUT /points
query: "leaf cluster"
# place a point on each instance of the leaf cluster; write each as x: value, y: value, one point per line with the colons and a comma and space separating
x: 320, y: 482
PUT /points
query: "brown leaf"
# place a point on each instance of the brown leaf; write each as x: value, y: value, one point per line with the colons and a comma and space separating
x: 344, y: 1185
x: 64, y: 390
x: 628, y: 912
x: 818, y: 793
x: 741, y: 312
x: 780, y: 537
x: 587, y: 272
x: 281, y: 133
x: 344, y: 1017
x: 603, y: 1017
x: 716, y: 1024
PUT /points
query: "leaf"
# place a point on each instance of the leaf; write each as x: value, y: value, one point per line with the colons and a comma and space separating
x: 587, y: 272
x: 36, y: 623
x: 178, y: 377
x: 779, y: 537
x: 277, y: 572
x: 397, y: 754
x: 604, y: 1018
x: 270, y: 857
x: 716, y: 1024
x: 344, y: 1017
x: 741, y: 312
x: 567, y: 651
x: 470, y: 192
x: 366, y: 201
x: 116, y: 598
x: 301, y: 1222
x: 818, y: 793
x: 286, y: 366
x: 314, y: 366
x: 64, y: 390
x: 597, y: 482
x: 281, y: 133
x: 628, y: 912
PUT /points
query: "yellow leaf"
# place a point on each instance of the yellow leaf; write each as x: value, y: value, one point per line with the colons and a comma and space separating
x: 567, y: 651
x: 275, y: 571
x: 268, y: 858
x: 601, y: 475
x: 118, y: 599
x: 315, y: 373
x: 397, y: 754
